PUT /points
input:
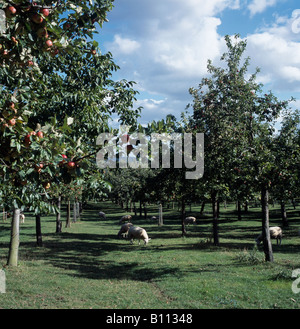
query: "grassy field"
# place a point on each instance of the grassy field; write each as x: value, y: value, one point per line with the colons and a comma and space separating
x: 86, y: 266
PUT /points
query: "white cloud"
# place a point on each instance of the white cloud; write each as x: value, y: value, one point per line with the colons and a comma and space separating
x: 124, y: 45
x: 258, y: 6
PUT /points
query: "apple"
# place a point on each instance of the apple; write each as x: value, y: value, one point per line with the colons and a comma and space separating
x: 93, y: 51
x: 12, y: 122
x: 40, y: 134
x: 64, y: 156
x: 49, y: 43
x: 36, y: 18
x: 27, y: 140
x: 71, y: 165
x: 46, y: 185
x: 14, y: 40
x: 45, y: 12
x: 39, y: 167
x: 42, y: 33
x: 10, y: 11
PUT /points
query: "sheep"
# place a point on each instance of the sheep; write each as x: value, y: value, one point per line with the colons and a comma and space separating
x: 139, y: 233
x: 126, y: 218
x: 153, y: 218
x: 22, y: 217
x: 275, y: 233
x: 189, y: 220
x: 102, y: 215
x: 124, y: 229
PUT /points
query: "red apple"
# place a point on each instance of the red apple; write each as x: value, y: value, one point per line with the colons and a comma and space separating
x: 12, y: 122
x: 27, y: 140
x: 10, y: 11
x: 64, y: 156
x: 49, y: 43
x: 14, y: 40
x: 45, y: 12
x: 71, y: 165
x: 36, y: 18
x: 40, y: 134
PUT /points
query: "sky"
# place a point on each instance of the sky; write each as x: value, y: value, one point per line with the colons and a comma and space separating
x: 164, y: 46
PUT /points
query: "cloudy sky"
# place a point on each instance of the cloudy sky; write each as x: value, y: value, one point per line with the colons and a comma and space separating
x: 164, y: 45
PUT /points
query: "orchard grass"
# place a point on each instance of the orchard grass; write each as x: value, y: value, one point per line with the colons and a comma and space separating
x: 86, y: 266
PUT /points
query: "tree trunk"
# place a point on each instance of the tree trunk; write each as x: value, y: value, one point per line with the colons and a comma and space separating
x: 141, y: 209
x: 283, y: 214
x: 239, y: 210
x: 74, y: 212
x: 38, y: 230
x: 58, y: 216
x: 183, y: 216
x: 202, y: 208
x: 68, y: 221
x: 145, y: 211
x: 14, y: 239
x: 265, y: 225
x: 215, y: 219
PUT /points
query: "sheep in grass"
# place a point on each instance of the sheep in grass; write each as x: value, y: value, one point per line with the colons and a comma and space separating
x: 102, y: 215
x: 153, y: 218
x: 22, y: 217
x: 189, y: 220
x: 139, y: 233
x: 275, y: 233
x: 126, y: 218
x: 124, y: 229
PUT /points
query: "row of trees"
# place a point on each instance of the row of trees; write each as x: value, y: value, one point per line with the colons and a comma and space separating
x: 247, y: 152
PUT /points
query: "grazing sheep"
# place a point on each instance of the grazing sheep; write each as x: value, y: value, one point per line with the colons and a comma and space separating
x: 126, y: 218
x: 138, y: 233
x: 102, y: 215
x: 153, y: 218
x: 275, y: 233
x: 22, y: 218
x: 189, y: 220
x: 124, y: 229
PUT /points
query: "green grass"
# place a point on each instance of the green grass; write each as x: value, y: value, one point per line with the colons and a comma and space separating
x: 86, y: 266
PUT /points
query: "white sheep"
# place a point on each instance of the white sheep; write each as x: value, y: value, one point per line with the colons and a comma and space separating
x: 139, y: 233
x: 102, y: 215
x: 126, y: 218
x: 189, y: 220
x: 124, y: 229
x: 153, y: 218
x: 22, y: 218
x: 275, y: 233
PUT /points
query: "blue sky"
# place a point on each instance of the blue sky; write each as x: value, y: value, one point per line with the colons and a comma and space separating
x: 164, y: 45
